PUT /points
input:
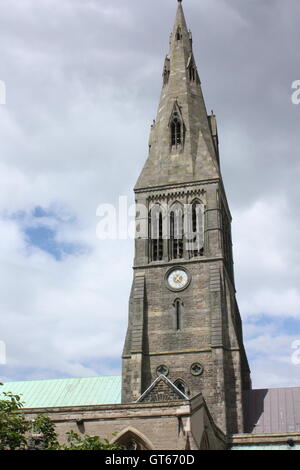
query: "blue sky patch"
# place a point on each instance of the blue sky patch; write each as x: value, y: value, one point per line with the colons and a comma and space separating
x: 40, y: 212
x: 41, y: 227
x: 44, y: 238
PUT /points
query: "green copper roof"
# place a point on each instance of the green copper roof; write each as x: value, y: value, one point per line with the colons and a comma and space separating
x: 67, y: 392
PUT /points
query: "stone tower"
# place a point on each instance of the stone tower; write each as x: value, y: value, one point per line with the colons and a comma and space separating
x: 184, y: 320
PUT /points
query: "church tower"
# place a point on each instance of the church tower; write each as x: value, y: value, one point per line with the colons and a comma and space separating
x: 184, y: 321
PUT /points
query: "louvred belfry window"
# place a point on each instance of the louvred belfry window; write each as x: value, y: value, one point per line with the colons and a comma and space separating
x: 196, y: 235
x: 176, y: 232
x: 156, y: 234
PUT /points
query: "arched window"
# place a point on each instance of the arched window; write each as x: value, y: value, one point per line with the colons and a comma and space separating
x: 176, y: 131
x: 177, y: 128
x: 181, y: 385
x: 192, y: 73
x: 178, y: 34
x: 132, y: 439
x: 178, y: 314
x: 176, y: 232
x: 196, y: 236
x: 156, y: 233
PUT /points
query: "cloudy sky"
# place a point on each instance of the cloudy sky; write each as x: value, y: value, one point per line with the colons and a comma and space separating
x: 83, y: 79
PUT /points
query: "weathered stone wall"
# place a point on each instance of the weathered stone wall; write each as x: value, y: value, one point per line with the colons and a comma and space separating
x: 210, y: 333
x: 162, y: 426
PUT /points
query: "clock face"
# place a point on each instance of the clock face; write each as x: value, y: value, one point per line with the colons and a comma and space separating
x: 178, y: 279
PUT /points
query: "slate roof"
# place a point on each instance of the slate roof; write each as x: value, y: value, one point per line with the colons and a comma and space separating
x: 67, y: 392
x: 272, y: 411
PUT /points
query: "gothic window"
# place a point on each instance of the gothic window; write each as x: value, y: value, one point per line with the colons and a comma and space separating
x: 192, y: 70
x: 132, y: 445
x: 180, y: 384
x: 156, y: 233
x: 176, y: 131
x: 196, y: 237
x: 192, y: 73
x: 177, y: 128
x: 178, y: 34
x: 131, y: 439
x: 176, y: 231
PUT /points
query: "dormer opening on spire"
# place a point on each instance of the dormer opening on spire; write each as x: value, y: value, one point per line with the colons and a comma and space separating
x: 178, y: 34
x: 191, y: 66
x: 192, y: 73
x: 177, y: 129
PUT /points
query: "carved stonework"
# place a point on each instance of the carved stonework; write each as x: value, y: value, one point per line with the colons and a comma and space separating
x: 162, y: 390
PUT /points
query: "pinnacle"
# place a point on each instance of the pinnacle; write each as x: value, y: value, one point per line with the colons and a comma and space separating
x: 180, y: 18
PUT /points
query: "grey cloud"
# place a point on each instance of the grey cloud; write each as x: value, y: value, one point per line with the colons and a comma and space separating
x: 83, y: 81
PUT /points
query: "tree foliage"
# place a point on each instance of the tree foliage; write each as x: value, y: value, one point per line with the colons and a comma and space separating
x: 13, y: 425
x: 76, y: 442
x: 17, y: 432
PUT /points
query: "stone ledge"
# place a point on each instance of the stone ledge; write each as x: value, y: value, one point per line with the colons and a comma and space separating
x: 161, y: 264
x: 166, y: 187
x: 132, y: 409
x: 246, y: 439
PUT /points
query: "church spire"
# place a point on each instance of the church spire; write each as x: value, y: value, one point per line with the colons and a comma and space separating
x: 183, y: 316
x: 182, y: 147
x: 180, y: 19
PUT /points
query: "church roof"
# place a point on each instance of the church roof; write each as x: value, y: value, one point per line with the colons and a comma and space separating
x: 66, y: 392
x: 271, y: 411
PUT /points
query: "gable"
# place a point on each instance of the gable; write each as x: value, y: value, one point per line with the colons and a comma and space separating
x: 162, y: 389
